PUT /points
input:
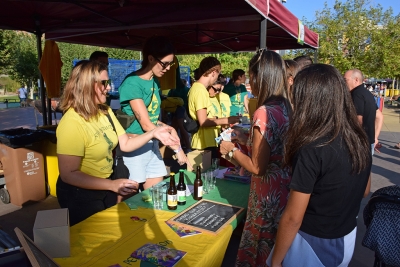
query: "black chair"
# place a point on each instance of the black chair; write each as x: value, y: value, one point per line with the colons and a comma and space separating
x: 382, y: 219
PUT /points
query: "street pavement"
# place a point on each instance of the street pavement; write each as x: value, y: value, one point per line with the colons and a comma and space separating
x: 385, y: 172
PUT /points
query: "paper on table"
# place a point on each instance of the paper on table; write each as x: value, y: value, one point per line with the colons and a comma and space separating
x: 189, y: 190
x: 220, y: 173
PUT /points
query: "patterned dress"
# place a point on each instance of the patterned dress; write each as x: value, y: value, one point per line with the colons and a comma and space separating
x: 268, y: 193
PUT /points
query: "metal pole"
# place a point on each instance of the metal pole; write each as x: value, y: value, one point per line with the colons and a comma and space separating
x: 41, y: 82
x: 316, y: 56
x: 263, y: 33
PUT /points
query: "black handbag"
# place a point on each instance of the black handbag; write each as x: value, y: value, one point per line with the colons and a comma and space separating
x: 119, y: 168
x: 192, y: 126
x: 124, y: 119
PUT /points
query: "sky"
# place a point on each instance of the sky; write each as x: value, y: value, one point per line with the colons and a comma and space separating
x: 307, y: 8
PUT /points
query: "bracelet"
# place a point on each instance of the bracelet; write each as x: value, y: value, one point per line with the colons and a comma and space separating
x: 178, y: 150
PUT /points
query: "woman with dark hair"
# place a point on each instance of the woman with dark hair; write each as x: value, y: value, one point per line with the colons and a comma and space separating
x: 85, y: 140
x: 330, y: 157
x: 237, y: 92
x: 200, y: 106
x: 140, y: 96
x: 269, y: 186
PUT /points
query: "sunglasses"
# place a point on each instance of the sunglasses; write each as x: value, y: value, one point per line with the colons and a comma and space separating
x: 217, y: 90
x: 106, y: 83
x: 165, y: 65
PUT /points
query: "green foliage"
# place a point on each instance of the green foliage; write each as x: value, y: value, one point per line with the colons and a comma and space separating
x: 6, y: 45
x: 24, y: 59
x: 356, y: 34
x: 9, y: 84
x: 229, y: 61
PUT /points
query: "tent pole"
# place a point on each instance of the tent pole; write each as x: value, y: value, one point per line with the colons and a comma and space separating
x: 263, y: 33
x: 41, y: 82
x: 316, y: 56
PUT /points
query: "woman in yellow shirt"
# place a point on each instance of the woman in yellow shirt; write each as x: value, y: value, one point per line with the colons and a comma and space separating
x: 85, y: 140
x: 200, y: 106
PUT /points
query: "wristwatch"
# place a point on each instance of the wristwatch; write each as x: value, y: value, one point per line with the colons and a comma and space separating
x: 230, y: 154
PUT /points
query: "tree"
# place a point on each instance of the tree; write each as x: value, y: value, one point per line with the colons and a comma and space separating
x: 355, y: 34
x: 229, y: 61
x: 6, y: 38
x: 24, y: 60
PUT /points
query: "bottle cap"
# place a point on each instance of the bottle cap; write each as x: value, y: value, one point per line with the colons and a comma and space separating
x: 171, y: 174
x: 181, y: 170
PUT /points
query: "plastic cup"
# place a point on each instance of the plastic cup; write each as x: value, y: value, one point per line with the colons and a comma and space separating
x: 157, y: 197
x: 215, y: 163
x: 212, y: 178
x: 205, y: 176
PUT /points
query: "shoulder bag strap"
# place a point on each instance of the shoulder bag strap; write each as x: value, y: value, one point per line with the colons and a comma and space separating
x: 118, y: 152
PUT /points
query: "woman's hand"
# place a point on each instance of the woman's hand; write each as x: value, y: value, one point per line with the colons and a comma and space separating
x: 124, y: 186
x: 225, y: 147
x: 234, y: 119
x: 163, y: 133
x: 238, y: 136
x: 182, y: 159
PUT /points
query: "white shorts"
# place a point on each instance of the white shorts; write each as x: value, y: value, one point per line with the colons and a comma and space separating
x: 307, y: 250
x: 145, y: 162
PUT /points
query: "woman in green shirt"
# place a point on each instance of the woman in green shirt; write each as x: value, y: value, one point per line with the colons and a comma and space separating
x: 140, y: 95
x: 237, y: 93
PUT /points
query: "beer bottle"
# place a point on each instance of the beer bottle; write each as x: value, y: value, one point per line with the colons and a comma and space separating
x: 172, y: 200
x: 198, y: 185
x: 181, y: 187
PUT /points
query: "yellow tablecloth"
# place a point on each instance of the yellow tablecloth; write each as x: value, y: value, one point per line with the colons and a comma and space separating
x: 109, y: 237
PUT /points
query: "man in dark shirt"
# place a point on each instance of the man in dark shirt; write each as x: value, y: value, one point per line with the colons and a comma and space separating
x: 369, y: 116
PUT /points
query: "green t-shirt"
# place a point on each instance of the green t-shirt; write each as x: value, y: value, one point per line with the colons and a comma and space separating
x: 134, y: 87
x: 236, y: 94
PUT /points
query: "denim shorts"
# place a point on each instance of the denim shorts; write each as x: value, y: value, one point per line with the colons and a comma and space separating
x: 145, y: 162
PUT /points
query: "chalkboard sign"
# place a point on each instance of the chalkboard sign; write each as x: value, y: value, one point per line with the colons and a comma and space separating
x: 36, y: 256
x: 207, y: 216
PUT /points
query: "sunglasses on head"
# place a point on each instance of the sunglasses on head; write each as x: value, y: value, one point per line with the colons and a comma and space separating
x: 165, y: 65
x: 106, y: 83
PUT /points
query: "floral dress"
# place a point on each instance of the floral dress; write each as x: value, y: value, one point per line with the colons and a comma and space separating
x: 268, y: 193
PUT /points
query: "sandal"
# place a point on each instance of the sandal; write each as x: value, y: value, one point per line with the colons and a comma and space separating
x: 397, y: 146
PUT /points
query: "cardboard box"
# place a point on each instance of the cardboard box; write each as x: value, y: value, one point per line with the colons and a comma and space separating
x: 199, y: 157
x: 51, y: 232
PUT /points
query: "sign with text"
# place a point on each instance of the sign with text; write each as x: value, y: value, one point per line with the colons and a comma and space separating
x: 207, y: 216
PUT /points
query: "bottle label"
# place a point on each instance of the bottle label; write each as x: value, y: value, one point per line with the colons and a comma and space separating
x: 200, y: 191
x: 172, y: 200
x: 181, y: 196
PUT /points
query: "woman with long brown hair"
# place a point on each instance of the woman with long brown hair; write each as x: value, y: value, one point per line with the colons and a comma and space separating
x: 330, y: 157
x: 269, y: 187
x: 85, y: 140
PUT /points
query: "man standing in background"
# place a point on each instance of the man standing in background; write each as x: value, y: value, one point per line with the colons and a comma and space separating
x: 22, y: 94
x: 368, y: 114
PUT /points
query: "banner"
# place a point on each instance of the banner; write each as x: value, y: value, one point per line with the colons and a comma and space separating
x: 300, y: 38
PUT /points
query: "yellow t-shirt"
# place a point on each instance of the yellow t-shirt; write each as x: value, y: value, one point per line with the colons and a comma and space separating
x: 216, y: 110
x: 92, y: 140
x: 198, y: 98
x: 225, y: 103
